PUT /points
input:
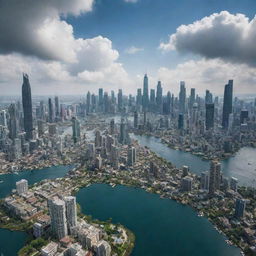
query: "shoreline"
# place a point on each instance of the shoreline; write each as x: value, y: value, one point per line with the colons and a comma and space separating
x: 201, y: 155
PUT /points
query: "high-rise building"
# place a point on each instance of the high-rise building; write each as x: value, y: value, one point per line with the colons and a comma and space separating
x: 13, y: 122
x: 71, y: 212
x: 209, y: 116
x: 244, y: 116
x: 186, y: 184
x: 182, y: 98
x: 57, y: 209
x: 57, y: 107
x: 227, y: 104
x: 22, y: 186
x: 114, y: 156
x: 159, y: 96
x: 50, y: 111
x: 215, y: 177
x: 145, y: 99
x: 181, y: 121
x: 204, y: 182
x: 192, y: 98
x: 101, y: 99
x: 123, y: 135
x: 112, y: 127
x: 152, y: 99
x: 233, y: 183
x: 131, y: 159
x: 208, y: 97
x: 27, y: 107
x: 3, y: 120
x: 103, y: 248
x: 139, y: 97
x: 88, y: 102
x: 76, y: 129
x: 240, y: 208
x: 120, y: 100
x: 40, y: 127
x: 135, y: 119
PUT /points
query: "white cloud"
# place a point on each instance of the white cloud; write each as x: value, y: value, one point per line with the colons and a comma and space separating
x: 209, y: 74
x: 221, y: 35
x: 35, y: 28
x: 35, y: 39
x: 133, y: 50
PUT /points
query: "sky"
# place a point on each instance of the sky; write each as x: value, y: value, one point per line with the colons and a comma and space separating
x: 70, y: 47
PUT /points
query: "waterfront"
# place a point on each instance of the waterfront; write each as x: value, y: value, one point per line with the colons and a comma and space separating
x: 32, y: 177
x: 161, y: 226
x: 176, y: 220
x: 241, y: 165
x: 7, y: 246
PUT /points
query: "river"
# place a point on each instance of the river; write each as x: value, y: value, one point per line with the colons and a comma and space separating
x: 241, y: 166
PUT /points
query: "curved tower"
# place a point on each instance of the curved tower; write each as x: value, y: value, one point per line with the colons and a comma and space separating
x: 27, y: 107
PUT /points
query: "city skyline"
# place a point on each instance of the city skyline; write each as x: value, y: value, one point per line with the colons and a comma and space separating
x: 72, y: 48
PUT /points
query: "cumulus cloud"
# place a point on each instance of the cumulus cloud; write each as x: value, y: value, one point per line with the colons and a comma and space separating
x: 209, y: 74
x: 36, y: 39
x: 220, y: 35
x: 133, y: 50
x: 36, y: 28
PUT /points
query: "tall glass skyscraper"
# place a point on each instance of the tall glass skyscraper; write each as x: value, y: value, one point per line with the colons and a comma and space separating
x: 145, y: 93
x: 227, y: 104
x: 27, y: 107
x: 182, y: 97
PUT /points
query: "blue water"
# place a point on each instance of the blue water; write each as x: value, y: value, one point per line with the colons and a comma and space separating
x: 12, y: 241
x: 236, y: 166
x: 32, y: 177
x: 161, y: 226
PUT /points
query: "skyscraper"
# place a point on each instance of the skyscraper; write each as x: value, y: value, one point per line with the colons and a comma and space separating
x: 145, y: 98
x: 159, y: 96
x: 50, y: 111
x: 57, y: 106
x: 75, y: 129
x: 135, y: 119
x: 208, y: 97
x: 227, y: 104
x: 3, y: 120
x: 240, y: 208
x: 57, y: 209
x: 13, y: 122
x: 139, y: 97
x: 209, y: 116
x: 71, y: 211
x: 182, y: 97
x: 215, y: 177
x: 101, y: 99
x: 27, y: 107
x: 88, y: 103
x: 181, y: 121
x: 152, y: 99
x: 192, y: 98
x: 131, y: 156
x: 120, y: 100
